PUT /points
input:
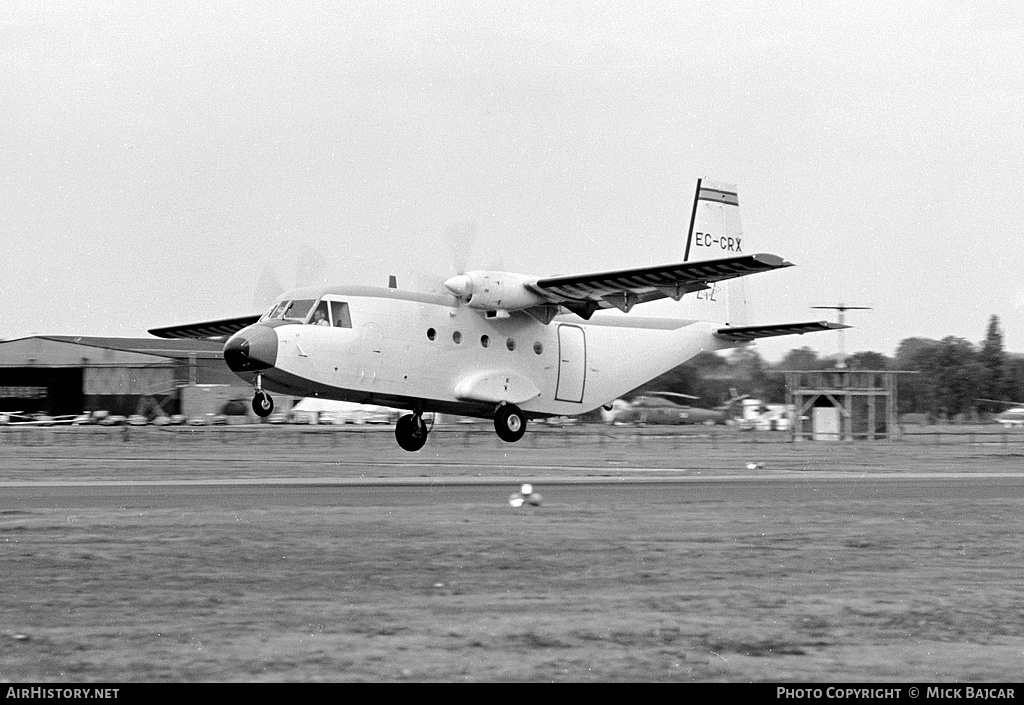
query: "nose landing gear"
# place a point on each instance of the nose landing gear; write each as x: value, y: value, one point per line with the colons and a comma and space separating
x: 262, y: 403
x: 411, y: 432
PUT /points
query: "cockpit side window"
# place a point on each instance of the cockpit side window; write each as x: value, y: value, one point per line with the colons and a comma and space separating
x: 320, y: 315
x: 298, y: 309
x: 339, y: 309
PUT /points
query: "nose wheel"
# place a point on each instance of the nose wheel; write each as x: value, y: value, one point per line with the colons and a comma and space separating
x: 509, y: 422
x: 411, y: 432
x: 262, y: 404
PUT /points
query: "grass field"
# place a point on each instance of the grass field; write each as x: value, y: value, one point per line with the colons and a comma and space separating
x: 625, y: 584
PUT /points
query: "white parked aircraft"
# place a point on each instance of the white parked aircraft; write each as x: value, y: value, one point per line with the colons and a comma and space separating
x: 1013, y: 416
x: 316, y: 410
x: 502, y: 345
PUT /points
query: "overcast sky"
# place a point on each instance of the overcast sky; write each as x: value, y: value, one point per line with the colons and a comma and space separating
x: 155, y: 161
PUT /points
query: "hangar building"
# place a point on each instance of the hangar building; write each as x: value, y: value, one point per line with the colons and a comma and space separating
x: 57, y: 375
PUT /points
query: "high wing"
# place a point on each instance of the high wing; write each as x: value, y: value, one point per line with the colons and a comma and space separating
x: 218, y: 329
x: 744, y: 334
x: 623, y: 289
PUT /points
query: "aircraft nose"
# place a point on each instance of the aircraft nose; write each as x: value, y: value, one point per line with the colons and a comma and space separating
x: 251, y: 349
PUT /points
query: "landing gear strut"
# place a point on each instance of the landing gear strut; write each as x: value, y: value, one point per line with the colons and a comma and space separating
x: 509, y: 422
x: 262, y: 403
x: 411, y: 432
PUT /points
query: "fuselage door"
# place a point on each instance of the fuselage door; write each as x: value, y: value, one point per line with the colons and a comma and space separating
x: 572, y: 363
x: 371, y: 353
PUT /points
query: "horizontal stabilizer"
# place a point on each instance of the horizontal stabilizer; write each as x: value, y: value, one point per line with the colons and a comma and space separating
x: 222, y: 328
x: 744, y: 334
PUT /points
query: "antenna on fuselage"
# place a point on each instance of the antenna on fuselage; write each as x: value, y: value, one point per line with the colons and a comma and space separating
x: 843, y: 308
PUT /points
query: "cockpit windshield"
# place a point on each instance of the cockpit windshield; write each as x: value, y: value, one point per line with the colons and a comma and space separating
x: 276, y: 311
x: 298, y: 310
x: 327, y: 313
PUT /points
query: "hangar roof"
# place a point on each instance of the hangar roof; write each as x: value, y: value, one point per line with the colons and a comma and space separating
x: 180, y: 349
x: 78, y: 351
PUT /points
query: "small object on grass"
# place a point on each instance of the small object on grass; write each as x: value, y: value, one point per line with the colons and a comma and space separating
x: 526, y: 495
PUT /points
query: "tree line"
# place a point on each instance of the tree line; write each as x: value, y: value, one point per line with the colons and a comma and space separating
x: 954, y: 378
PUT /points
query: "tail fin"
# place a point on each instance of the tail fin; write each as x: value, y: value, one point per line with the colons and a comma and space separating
x: 715, y: 232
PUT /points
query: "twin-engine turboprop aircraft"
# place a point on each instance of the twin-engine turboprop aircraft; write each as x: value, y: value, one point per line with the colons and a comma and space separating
x: 498, y: 344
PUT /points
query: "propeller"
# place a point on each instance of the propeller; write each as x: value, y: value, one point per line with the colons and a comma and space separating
x: 268, y: 287
x: 310, y: 270
x: 461, y: 240
x: 460, y: 244
x: 310, y: 267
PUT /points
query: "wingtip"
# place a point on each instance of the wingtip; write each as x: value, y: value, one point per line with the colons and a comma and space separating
x: 772, y: 260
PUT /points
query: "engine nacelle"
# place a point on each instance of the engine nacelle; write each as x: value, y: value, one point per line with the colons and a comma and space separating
x: 491, y: 291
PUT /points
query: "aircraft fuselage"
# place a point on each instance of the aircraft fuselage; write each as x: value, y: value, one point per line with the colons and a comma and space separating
x: 425, y: 352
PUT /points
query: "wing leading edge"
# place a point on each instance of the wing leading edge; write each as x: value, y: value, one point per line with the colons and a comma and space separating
x: 623, y: 289
x: 221, y: 328
x: 744, y: 334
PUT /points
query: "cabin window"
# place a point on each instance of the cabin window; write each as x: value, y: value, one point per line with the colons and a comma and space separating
x: 340, y: 315
x: 485, y: 340
x: 298, y: 310
x: 431, y: 333
x: 457, y: 337
x: 538, y: 348
x: 510, y: 344
x: 320, y: 315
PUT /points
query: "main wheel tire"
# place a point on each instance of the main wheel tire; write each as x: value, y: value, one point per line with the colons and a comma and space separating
x: 411, y: 432
x: 263, y: 404
x: 509, y: 423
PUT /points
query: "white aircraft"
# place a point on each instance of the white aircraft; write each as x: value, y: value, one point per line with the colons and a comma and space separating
x: 330, y: 411
x: 1012, y: 417
x: 502, y: 345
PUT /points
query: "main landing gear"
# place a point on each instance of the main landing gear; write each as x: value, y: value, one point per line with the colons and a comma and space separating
x: 509, y: 422
x: 262, y: 403
x: 411, y: 432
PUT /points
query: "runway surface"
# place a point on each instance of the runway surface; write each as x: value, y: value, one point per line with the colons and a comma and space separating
x: 162, y: 559
x: 282, y: 493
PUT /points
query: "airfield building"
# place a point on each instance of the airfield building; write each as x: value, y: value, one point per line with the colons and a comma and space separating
x: 57, y: 375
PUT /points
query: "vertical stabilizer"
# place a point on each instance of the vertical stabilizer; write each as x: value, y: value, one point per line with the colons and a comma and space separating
x: 714, y: 233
